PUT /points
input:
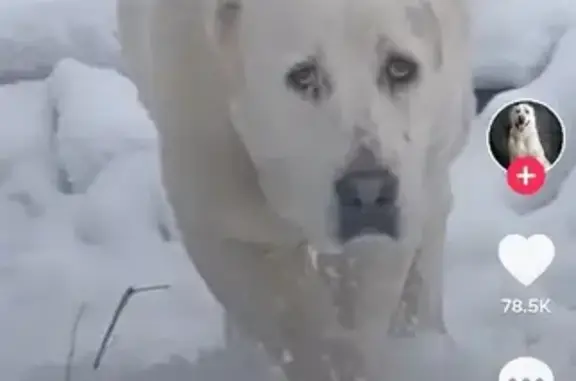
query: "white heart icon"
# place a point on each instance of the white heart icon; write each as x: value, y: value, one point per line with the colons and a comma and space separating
x: 526, y: 368
x: 526, y: 258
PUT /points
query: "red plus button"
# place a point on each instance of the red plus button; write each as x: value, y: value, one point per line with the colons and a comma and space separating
x: 526, y: 175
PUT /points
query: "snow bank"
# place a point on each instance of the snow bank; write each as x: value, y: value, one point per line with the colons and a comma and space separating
x: 99, y: 117
x: 88, y: 247
x: 556, y: 86
x: 28, y: 170
x: 126, y: 202
x: 42, y: 289
x: 25, y: 133
x: 513, y: 39
x: 35, y: 35
x: 107, y: 146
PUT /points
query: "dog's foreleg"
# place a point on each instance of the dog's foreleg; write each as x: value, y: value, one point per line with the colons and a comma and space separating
x: 272, y: 297
x: 380, y: 276
x: 537, y: 151
x: 513, y: 149
x: 429, y: 264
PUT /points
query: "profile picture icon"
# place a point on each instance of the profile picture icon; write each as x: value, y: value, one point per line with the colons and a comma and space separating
x: 526, y: 127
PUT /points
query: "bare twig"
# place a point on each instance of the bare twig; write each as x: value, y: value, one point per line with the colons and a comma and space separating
x: 73, y: 335
x: 130, y: 291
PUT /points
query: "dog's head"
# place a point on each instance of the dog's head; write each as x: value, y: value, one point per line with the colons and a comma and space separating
x: 521, y: 115
x: 343, y: 108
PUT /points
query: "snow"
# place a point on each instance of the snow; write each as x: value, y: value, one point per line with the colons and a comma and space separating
x: 513, y: 38
x: 36, y: 34
x: 31, y: 140
x: 555, y: 87
x: 83, y: 217
x: 109, y: 231
x: 90, y: 134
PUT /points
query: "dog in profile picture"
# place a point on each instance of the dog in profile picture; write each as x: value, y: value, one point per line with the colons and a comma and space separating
x: 526, y: 128
x: 523, y: 139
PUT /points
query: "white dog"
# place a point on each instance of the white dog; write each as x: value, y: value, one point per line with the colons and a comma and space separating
x: 322, y: 123
x: 524, y: 139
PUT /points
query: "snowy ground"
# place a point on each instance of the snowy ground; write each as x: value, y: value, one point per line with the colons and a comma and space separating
x: 82, y: 217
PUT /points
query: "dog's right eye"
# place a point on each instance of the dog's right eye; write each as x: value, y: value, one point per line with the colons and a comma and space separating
x: 308, y: 80
x: 398, y: 70
x: 303, y: 75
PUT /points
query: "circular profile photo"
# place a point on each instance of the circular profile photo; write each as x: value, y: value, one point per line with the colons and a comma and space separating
x: 526, y: 127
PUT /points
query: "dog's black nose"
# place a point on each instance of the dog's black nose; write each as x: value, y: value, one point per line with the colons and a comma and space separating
x: 521, y: 119
x: 366, y: 196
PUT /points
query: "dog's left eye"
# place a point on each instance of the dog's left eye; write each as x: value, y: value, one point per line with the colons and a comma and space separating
x: 303, y: 75
x: 398, y: 70
x: 308, y: 80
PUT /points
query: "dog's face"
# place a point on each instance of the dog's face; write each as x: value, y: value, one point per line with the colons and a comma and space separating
x: 340, y: 108
x: 521, y: 116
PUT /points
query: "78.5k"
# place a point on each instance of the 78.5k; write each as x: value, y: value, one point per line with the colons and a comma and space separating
x: 526, y: 306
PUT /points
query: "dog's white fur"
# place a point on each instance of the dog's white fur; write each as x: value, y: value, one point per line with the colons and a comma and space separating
x: 249, y: 165
x: 524, y: 139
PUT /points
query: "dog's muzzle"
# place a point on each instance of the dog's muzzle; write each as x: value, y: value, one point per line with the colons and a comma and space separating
x: 366, y: 195
x: 520, y: 121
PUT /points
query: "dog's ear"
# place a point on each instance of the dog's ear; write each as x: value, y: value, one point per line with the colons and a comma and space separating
x: 224, y: 19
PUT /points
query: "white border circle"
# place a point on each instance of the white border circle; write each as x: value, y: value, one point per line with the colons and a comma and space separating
x: 527, y: 100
